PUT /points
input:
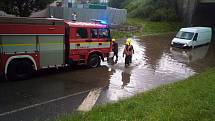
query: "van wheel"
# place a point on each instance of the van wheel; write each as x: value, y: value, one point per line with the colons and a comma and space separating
x: 94, y: 61
x: 19, y: 70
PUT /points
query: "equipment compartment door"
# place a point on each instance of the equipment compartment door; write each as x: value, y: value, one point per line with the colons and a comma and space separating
x: 51, y: 50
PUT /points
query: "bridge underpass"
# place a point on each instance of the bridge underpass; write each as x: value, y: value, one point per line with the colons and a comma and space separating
x: 197, y: 12
x: 204, y: 14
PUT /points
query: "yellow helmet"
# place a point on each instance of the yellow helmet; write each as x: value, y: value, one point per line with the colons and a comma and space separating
x: 113, y: 40
x: 129, y: 40
x: 127, y: 43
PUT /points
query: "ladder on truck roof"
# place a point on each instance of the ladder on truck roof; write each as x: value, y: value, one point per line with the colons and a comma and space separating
x: 28, y: 20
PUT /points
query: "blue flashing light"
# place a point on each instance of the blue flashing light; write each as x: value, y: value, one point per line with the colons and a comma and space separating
x: 103, y: 22
x: 99, y: 21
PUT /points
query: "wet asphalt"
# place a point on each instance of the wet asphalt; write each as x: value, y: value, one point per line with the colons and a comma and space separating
x: 61, y: 91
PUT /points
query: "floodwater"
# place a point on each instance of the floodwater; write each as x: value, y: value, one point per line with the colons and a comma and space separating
x: 156, y: 63
x: 55, y: 92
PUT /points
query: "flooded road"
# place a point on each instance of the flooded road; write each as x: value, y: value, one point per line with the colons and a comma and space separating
x: 60, y: 91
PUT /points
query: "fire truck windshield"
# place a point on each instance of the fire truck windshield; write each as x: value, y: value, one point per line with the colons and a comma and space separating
x: 104, y: 33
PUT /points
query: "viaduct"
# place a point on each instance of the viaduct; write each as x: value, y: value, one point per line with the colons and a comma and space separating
x: 197, y: 12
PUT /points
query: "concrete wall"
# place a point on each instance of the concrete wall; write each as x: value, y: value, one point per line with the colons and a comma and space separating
x: 186, y: 10
x: 111, y: 15
x: 207, y: 1
x: 197, y: 12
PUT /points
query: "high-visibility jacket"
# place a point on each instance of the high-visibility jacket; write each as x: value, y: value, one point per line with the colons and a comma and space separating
x: 128, y: 50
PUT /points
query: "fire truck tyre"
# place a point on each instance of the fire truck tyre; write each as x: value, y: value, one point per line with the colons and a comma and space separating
x: 94, y: 61
x: 19, y: 70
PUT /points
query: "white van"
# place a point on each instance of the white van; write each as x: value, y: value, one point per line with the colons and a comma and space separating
x: 192, y: 37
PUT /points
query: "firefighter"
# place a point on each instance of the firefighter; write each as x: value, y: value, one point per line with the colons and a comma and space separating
x: 131, y: 48
x: 127, y: 53
x: 115, y: 49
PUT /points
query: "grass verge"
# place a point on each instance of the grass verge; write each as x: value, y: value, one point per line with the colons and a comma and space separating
x: 146, y: 27
x: 192, y: 99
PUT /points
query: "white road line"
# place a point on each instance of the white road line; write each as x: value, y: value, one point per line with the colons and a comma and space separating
x: 90, y: 100
x: 43, y: 103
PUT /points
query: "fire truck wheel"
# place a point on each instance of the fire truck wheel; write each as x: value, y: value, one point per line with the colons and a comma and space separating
x: 19, y: 70
x: 94, y: 61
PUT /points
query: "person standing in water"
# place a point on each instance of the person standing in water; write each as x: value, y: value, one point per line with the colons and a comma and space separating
x: 131, y: 49
x: 115, y: 49
x: 128, y: 51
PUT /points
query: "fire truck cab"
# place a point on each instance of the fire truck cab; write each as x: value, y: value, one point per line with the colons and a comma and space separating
x: 88, y: 43
x: 30, y: 44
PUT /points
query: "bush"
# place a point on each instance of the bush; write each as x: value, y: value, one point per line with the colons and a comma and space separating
x: 163, y: 14
x: 155, y: 10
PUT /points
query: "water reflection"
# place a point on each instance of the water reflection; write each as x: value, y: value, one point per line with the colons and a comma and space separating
x: 125, y: 79
x: 189, y: 55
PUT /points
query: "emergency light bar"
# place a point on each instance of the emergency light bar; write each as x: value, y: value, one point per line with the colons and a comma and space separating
x: 99, y: 21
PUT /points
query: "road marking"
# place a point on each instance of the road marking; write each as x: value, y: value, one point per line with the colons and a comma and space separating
x: 43, y: 103
x: 90, y: 100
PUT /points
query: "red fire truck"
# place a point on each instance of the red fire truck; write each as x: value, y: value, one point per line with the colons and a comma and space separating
x: 29, y: 44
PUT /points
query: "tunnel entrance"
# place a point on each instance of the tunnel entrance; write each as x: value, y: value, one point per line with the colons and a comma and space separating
x: 204, y: 15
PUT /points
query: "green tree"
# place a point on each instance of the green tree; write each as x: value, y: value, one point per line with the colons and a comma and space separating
x: 23, y: 8
x: 155, y: 10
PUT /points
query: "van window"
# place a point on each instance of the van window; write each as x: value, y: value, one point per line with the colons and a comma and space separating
x: 81, y: 33
x: 94, y: 33
x: 185, y: 35
x: 195, y: 37
x: 104, y: 33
